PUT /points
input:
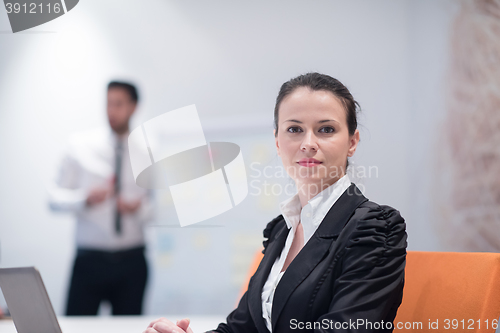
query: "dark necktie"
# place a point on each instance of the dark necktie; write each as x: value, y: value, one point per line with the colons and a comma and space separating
x: 118, y: 168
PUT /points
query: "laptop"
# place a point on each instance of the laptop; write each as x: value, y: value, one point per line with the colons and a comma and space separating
x: 28, y: 301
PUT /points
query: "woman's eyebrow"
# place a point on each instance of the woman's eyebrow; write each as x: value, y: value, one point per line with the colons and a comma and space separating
x: 321, y: 121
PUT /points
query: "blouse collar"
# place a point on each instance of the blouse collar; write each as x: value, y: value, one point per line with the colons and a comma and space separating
x: 316, y: 208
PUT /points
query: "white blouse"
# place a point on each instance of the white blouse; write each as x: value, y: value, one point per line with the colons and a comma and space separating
x: 310, y: 216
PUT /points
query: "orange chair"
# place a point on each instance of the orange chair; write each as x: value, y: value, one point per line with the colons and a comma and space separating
x: 444, y: 292
x: 450, y: 291
x: 253, y: 268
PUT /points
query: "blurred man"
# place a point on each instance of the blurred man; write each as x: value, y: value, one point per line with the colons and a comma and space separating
x: 96, y: 183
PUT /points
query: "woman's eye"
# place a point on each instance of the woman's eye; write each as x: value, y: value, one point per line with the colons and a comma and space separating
x: 294, y: 129
x: 327, y: 130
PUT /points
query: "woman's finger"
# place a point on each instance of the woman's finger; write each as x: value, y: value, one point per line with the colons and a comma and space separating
x: 163, y: 319
x: 163, y: 327
x: 150, y: 330
x: 183, y: 323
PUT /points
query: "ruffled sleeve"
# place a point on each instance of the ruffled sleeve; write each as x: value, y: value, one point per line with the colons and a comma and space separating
x: 268, y: 231
x: 370, y: 283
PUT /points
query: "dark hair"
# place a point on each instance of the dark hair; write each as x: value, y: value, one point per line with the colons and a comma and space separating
x: 317, y: 81
x: 130, y: 88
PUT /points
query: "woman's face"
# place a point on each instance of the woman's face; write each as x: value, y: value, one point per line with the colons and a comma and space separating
x: 313, y: 140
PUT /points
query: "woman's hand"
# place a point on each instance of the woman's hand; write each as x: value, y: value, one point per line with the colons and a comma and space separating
x: 164, y: 325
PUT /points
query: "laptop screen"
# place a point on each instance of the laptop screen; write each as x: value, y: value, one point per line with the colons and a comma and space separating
x: 28, y: 301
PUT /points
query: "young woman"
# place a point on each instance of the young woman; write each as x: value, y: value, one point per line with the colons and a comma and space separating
x: 333, y: 260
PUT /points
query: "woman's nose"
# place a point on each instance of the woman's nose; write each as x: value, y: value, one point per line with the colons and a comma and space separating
x: 309, y: 142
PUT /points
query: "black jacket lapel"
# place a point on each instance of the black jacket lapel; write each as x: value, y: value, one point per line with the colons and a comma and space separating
x: 260, y: 277
x: 315, y: 249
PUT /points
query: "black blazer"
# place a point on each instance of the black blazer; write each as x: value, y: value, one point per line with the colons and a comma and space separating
x: 351, y: 269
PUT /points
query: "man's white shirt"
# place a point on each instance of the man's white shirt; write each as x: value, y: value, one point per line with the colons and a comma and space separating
x: 89, y: 162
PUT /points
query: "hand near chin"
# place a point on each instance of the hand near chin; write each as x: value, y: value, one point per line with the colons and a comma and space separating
x: 164, y: 325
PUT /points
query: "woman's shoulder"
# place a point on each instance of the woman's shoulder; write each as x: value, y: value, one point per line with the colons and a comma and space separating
x: 271, y: 229
x: 372, y: 211
x: 377, y: 224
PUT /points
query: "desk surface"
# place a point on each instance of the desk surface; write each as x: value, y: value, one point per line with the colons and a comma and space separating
x: 119, y: 324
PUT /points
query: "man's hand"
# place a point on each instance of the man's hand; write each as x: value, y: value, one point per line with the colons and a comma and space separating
x: 128, y: 207
x: 98, y: 195
x: 164, y: 325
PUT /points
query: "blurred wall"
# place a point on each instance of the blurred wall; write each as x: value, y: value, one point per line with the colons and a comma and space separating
x: 229, y: 58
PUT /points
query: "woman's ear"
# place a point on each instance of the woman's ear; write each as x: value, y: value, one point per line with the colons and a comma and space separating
x: 276, y: 139
x: 353, y: 143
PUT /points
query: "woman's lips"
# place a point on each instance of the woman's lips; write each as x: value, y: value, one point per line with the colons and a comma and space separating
x: 309, y: 163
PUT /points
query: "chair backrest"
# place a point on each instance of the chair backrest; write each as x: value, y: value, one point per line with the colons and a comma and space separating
x: 450, y: 291
x: 253, y: 267
x: 444, y: 292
